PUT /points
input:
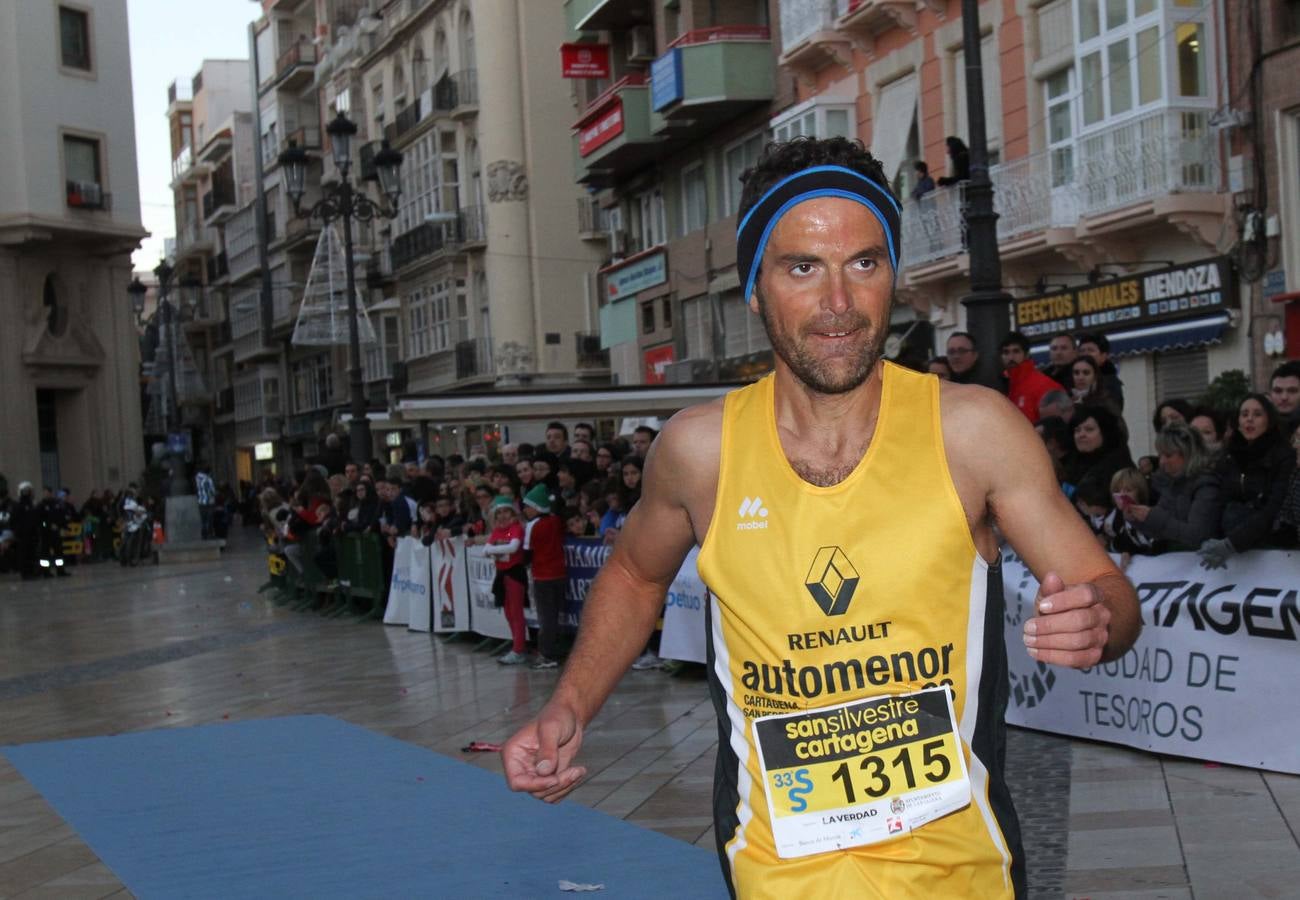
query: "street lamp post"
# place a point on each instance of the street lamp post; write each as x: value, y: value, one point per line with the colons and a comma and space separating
x: 987, y: 304
x: 345, y: 202
x: 168, y: 318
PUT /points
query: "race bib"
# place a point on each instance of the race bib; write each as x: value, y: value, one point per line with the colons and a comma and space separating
x: 860, y: 772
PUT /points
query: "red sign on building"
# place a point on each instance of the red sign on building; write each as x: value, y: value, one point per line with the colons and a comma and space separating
x: 656, y: 360
x: 602, y: 129
x: 585, y: 60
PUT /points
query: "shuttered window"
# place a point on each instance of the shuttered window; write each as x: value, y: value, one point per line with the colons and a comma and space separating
x: 1184, y: 375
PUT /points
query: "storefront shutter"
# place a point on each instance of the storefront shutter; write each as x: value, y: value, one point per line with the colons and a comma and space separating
x: 1183, y: 375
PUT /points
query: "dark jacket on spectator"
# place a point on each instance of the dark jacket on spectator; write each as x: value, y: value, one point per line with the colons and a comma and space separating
x: 1097, y: 466
x: 1254, y: 477
x: 1187, y: 513
x: 1112, y: 385
x: 1062, y: 375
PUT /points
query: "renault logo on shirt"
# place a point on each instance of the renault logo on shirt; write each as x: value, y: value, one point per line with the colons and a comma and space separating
x: 753, y: 514
x: 832, y: 580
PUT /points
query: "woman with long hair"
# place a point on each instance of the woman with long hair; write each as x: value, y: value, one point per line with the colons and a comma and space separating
x: 1100, y: 448
x: 1089, y: 388
x: 1253, y: 471
x: 1186, y: 514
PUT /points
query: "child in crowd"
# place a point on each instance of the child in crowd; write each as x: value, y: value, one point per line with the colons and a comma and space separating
x: 544, y: 539
x: 506, y: 546
x: 1128, y: 488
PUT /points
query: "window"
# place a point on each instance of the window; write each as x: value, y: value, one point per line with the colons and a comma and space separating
x: 1094, y: 103
x: 1060, y: 125
x: 1190, y: 38
x: 651, y: 231
x: 991, y: 64
x: 893, y: 117
x: 667, y: 314
x: 1148, y: 62
x: 430, y: 318
x: 1123, y: 66
x: 736, y: 159
x: 82, y: 172
x: 1121, y: 77
x: 743, y: 331
x: 695, y: 199
x: 381, y: 355
x: 74, y: 38
x: 696, y: 328
x: 815, y: 120
x: 648, y: 317
x: 313, y: 383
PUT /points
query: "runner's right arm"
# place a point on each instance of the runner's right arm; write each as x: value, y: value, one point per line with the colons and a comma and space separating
x: 620, y: 611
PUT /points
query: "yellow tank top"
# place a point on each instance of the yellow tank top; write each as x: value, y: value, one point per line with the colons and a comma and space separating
x: 822, y: 595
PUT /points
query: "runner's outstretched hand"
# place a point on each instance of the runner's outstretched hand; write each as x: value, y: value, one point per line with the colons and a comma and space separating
x: 1071, y: 625
x: 537, y: 758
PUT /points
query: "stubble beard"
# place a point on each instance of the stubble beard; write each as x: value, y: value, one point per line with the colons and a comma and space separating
x: 821, y: 375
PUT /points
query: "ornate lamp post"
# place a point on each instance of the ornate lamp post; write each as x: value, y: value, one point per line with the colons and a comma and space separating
x: 345, y: 202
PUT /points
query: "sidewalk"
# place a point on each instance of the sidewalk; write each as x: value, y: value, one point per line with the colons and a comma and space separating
x: 1145, y: 827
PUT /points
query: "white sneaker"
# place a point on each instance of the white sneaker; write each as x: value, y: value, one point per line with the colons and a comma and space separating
x: 647, y: 660
x: 543, y: 663
x: 512, y: 659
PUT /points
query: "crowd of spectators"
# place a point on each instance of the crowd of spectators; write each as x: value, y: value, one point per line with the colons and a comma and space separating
x: 45, y: 535
x: 1223, y: 482
x: 519, y: 503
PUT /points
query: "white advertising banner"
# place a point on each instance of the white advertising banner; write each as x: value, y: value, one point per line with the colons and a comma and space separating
x: 450, y: 585
x: 484, y: 616
x: 1212, y: 675
x: 684, y: 636
x: 420, y: 596
x: 402, y: 589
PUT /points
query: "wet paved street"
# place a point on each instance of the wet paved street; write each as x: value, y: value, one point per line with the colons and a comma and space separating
x: 112, y: 650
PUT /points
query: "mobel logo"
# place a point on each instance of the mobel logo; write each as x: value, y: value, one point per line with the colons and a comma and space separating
x: 832, y: 580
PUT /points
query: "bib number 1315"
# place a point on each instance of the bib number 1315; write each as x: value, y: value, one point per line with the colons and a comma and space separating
x: 876, y: 781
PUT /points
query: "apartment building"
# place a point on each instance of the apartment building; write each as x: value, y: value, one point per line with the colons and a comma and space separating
x: 660, y: 142
x: 1109, y: 168
x: 211, y: 129
x: 1262, y: 116
x: 479, y: 279
x: 69, y: 220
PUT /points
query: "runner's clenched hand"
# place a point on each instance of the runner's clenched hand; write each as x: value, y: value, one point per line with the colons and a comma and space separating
x: 537, y: 758
x: 1071, y: 625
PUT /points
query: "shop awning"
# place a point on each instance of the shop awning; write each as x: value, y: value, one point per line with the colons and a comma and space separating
x: 516, y: 406
x: 1181, y: 335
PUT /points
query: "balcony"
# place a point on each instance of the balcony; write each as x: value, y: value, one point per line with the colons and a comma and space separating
x: 466, y: 99
x: 606, y: 15
x: 474, y: 358
x: 867, y: 18
x: 809, y: 39
x: 425, y: 239
x: 180, y: 91
x: 306, y: 137
x: 193, y: 240
x: 87, y: 195
x: 407, y: 119
x: 472, y: 224
x: 1111, y: 173
x: 218, y: 268
x: 296, y: 66
x: 241, y: 241
x: 218, y: 203
x: 614, y: 136
x: 593, y: 224
x: 185, y: 167
x: 712, y: 74
x: 589, y: 354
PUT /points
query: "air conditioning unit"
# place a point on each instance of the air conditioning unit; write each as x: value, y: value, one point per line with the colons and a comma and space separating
x: 641, y: 44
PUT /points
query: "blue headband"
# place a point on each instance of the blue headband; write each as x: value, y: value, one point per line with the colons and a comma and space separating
x: 807, y: 184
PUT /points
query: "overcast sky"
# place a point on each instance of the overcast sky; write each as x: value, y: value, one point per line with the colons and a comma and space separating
x: 169, y: 40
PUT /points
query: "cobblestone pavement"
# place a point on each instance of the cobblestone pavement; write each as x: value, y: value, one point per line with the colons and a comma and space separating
x: 1038, y: 773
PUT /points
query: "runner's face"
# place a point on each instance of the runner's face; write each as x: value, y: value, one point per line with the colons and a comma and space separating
x: 824, y: 292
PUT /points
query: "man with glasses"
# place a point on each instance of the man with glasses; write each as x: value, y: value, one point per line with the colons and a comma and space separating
x: 963, y: 358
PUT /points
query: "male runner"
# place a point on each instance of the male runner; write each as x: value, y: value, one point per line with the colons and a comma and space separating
x: 844, y: 508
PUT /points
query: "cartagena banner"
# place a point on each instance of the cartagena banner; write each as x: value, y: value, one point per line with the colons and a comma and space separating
x: 583, y: 558
x: 1211, y: 676
x: 485, y: 617
x: 450, y: 585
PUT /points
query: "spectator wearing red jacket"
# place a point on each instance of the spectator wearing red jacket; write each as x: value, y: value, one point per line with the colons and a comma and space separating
x: 1026, y: 386
x: 545, y: 542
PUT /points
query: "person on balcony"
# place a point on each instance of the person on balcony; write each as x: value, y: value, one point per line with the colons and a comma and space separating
x: 924, y: 183
x: 958, y: 163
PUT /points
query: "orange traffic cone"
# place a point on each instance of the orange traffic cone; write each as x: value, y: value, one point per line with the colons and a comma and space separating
x: 158, y: 536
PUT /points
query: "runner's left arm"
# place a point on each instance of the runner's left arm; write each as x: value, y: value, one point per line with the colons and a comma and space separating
x: 1087, y: 611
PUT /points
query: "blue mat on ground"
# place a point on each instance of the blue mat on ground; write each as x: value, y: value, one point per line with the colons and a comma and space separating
x: 310, y: 806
